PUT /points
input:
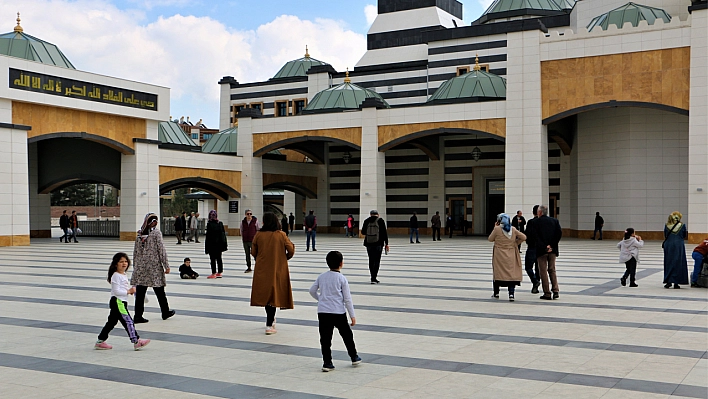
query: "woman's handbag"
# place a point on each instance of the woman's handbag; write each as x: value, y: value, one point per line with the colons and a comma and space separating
x: 670, y: 231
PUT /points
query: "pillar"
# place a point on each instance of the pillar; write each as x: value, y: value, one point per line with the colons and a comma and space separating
x: 526, y: 160
x: 139, y: 187
x: 372, y: 192
x: 697, y: 127
x: 289, y: 203
x: 39, y: 204
x: 436, y: 185
x: 14, y: 181
x: 321, y: 204
x: 252, y: 172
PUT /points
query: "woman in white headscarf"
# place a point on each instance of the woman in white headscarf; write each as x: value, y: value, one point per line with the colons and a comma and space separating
x: 506, y: 262
x: 150, y: 266
x: 675, y: 263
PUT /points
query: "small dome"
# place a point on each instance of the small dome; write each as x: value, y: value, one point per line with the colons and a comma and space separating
x: 224, y: 142
x: 504, y: 9
x: 21, y: 45
x: 475, y: 85
x: 172, y: 133
x: 298, y: 67
x: 344, y: 96
x: 630, y: 12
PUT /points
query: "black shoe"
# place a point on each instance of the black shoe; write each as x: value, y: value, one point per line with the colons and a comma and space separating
x: 307, y: 249
x: 168, y: 315
x: 555, y: 295
x: 695, y: 285
x: 76, y: 242
x: 511, y: 297
x: 61, y: 239
x: 534, y: 289
x: 599, y: 239
x: 179, y: 243
x: 667, y: 285
x: 356, y: 360
x: 417, y: 242
x: 328, y: 367
x: 592, y: 238
x: 439, y: 239
x: 495, y: 296
x: 623, y: 281
x: 314, y: 250
x: 547, y: 297
x: 633, y: 285
x: 139, y: 320
x: 375, y: 281
x: 676, y: 286
x: 196, y: 242
x: 248, y: 270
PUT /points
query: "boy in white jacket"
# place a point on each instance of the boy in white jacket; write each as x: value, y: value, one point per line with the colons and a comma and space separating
x: 629, y: 254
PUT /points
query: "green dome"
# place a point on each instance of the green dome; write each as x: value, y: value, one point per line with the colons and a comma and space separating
x: 172, y: 133
x: 477, y: 84
x: 504, y: 9
x: 341, y: 97
x: 298, y: 67
x: 566, y: 4
x: 630, y: 12
x: 224, y: 142
x: 21, y: 45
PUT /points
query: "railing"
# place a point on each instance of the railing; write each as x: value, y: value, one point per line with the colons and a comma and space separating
x: 168, y: 226
x: 100, y: 228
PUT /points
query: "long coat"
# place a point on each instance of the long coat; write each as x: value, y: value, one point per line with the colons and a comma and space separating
x: 675, y: 264
x: 506, y: 262
x: 150, y: 261
x: 215, y: 238
x: 271, y: 277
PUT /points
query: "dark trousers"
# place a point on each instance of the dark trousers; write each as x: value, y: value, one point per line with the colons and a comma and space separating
x: 140, y: 291
x: 119, y: 313
x: 374, y: 260
x: 436, y: 230
x: 73, y: 234
x: 496, y: 285
x: 215, y: 258
x: 270, y: 315
x: 247, y: 249
x: 328, y: 321
x: 66, y: 234
x: 532, y: 265
x: 449, y: 229
x: 178, y: 233
x: 595, y: 231
x: 631, y: 270
x: 292, y: 225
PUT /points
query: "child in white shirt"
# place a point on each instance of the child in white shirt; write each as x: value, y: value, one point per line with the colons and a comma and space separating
x: 629, y: 254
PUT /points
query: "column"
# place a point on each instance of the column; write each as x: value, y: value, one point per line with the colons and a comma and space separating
x: 39, y: 204
x: 14, y: 183
x: 139, y: 187
x: 372, y: 192
x: 526, y: 159
x: 321, y: 204
x: 436, y: 185
x: 697, y: 127
x: 289, y: 202
x: 252, y: 173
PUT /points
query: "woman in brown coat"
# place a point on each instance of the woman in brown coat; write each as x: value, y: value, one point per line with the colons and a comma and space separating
x: 506, y: 262
x: 271, y: 279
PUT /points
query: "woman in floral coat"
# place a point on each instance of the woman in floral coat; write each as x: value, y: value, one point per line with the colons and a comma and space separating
x: 149, y: 268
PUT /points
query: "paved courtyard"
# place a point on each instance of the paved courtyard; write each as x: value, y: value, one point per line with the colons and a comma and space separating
x: 429, y: 330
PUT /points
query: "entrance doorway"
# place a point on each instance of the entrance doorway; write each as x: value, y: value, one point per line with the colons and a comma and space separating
x: 553, y: 206
x: 458, y: 211
x: 495, y: 202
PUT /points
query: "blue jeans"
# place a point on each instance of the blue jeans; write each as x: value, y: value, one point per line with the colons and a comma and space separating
x: 595, y: 231
x: 312, y: 233
x: 416, y: 235
x: 532, y: 265
x: 698, y: 258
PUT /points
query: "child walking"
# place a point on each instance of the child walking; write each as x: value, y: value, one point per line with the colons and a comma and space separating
x: 629, y: 254
x: 332, y: 301
x: 120, y: 289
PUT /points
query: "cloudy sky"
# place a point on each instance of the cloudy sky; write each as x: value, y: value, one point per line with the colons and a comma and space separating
x: 188, y: 45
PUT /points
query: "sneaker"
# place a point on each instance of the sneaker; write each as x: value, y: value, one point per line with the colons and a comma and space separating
x: 511, y: 297
x: 633, y: 285
x: 495, y: 296
x: 218, y: 275
x: 168, y: 315
x: 248, y: 270
x: 271, y: 330
x: 555, y: 295
x: 327, y: 367
x: 140, y: 320
x: 534, y: 289
x: 211, y: 276
x: 102, y: 346
x: 546, y: 297
x: 623, y: 281
x: 693, y: 285
x: 141, y: 344
x: 356, y: 360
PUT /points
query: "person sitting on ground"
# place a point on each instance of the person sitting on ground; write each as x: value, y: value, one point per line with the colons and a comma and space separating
x: 186, y: 272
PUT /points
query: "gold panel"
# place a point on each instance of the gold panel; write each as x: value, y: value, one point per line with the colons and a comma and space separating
x: 656, y: 76
x: 227, y: 177
x: 17, y: 240
x: 309, y: 182
x: 350, y: 135
x: 46, y: 119
x: 388, y: 133
x: 128, y: 236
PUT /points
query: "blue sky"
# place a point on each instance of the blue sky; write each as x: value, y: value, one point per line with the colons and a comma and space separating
x: 188, y: 45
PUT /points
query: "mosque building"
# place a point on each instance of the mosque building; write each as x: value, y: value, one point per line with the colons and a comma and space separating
x: 588, y: 106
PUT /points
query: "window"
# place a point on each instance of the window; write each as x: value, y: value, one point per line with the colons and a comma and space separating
x: 258, y: 106
x: 462, y: 70
x: 281, y: 108
x: 299, y: 105
x: 207, y: 136
x: 195, y: 136
x: 484, y: 67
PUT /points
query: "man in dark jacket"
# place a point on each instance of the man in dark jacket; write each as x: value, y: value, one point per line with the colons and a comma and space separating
x: 249, y: 228
x: 599, y: 222
x: 547, y: 232
x: 414, y: 228
x: 520, y: 223
x: 284, y: 225
x: 73, y: 225
x: 449, y: 224
x: 436, y: 224
x: 179, y: 228
x: 185, y: 226
x: 64, y: 226
x: 530, y: 260
x: 291, y: 219
x: 311, y: 229
x: 374, y: 245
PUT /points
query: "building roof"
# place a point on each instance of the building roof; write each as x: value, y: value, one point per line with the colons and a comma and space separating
x: 298, y: 67
x: 504, y: 9
x: 476, y: 84
x: 630, y: 12
x: 224, y: 142
x: 344, y: 96
x: 566, y: 4
x: 171, y: 133
x: 21, y: 45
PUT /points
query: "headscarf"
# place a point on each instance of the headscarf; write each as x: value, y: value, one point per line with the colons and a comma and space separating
x: 212, y: 216
x: 147, y: 226
x: 504, y: 221
x: 674, y: 218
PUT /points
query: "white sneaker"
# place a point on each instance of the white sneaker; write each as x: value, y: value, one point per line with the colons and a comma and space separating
x: 270, y: 330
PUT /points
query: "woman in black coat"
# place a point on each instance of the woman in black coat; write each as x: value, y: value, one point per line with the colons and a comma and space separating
x: 215, y: 244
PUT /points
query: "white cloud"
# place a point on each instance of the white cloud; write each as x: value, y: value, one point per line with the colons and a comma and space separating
x: 188, y: 54
x: 371, y: 12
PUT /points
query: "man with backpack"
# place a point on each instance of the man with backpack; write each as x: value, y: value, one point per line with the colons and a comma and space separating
x: 375, y: 240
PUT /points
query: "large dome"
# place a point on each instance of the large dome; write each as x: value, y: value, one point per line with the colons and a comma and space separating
x: 298, y: 67
x: 473, y: 86
x: 505, y: 9
x: 630, y: 12
x: 21, y: 45
x: 342, y: 97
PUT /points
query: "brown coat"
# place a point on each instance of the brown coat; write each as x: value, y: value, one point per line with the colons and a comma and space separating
x: 506, y: 261
x: 271, y: 277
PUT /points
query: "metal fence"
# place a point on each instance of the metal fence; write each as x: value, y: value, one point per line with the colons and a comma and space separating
x: 100, y: 228
x: 168, y: 226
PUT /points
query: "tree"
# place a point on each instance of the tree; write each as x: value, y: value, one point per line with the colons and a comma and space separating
x: 178, y: 204
x: 76, y: 195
